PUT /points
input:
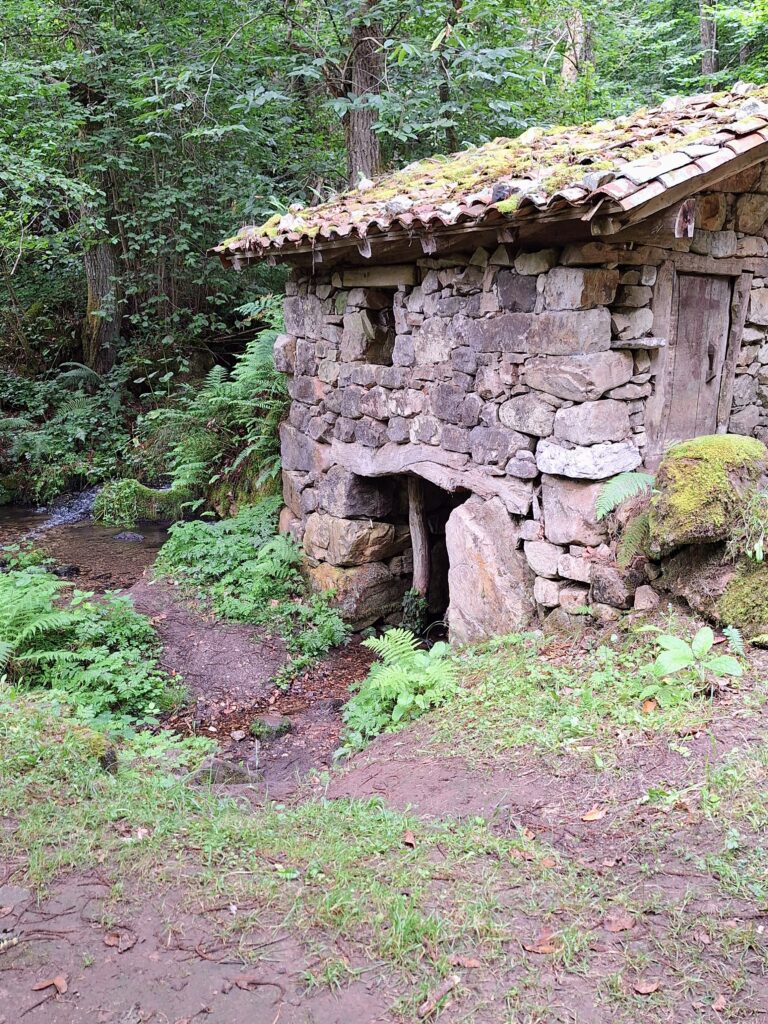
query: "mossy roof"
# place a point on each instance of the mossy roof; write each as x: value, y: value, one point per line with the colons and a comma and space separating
x: 620, y: 164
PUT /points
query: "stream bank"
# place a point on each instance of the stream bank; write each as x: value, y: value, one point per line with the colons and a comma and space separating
x: 228, y: 669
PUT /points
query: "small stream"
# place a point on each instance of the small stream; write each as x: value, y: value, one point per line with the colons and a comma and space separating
x: 93, y: 556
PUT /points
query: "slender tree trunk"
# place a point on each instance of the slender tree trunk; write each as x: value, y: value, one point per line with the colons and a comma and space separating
x: 708, y: 34
x: 576, y: 47
x: 101, y: 326
x: 365, y: 77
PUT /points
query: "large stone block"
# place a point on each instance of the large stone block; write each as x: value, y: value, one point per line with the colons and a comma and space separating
x: 592, y: 422
x: 543, y: 557
x: 299, y: 451
x: 284, y: 353
x: 432, y: 342
x: 370, y: 432
x: 569, y: 512
x: 587, y: 462
x: 536, y: 262
x: 528, y: 414
x: 516, y: 293
x: 568, y: 331
x: 494, y: 446
x: 346, y: 542
x: 576, y: 288
x: 758, y: 306
x: 579, y: 378
x: 751, y: 213
x: 364, y: 594
x: 346, y: 495
x: 490, y: 583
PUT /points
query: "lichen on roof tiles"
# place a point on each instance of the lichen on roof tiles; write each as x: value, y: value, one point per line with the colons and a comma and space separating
x: 623, y: 160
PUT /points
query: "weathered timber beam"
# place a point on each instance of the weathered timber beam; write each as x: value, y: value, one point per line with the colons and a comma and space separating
x: 419, y: 530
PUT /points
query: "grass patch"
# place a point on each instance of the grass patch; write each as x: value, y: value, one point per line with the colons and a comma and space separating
x: 519, y: 690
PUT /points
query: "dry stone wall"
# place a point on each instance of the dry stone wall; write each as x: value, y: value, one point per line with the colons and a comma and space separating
x: 523, y: 377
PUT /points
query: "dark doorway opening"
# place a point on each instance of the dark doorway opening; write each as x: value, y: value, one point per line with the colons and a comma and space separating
x: 429, y: 508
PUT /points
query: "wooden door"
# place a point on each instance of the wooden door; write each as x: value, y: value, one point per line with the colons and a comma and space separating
x: 696, y: 356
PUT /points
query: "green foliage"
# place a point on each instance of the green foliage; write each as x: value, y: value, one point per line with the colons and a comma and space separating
x: 248, y: 574
x: 218, y: 440
x: 621, y: 488
x: 55, y: 436
x: 125, y: 502
x: 735, y: 640
x: 415, y: 612
x: 693, y: 658
x: 101, y: 653
x: 634, y: 538
x: 404, y: 684
x: 748, y: 533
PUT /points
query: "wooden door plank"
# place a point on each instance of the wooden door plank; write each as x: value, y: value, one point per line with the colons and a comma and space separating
x: 662, y: 360
x: 739, y: 305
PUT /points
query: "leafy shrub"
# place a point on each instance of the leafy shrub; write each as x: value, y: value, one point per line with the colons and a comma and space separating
x: 125, y: 502
x: 748, y: 534
x: 218, y: 440
x: 61, y: 432
x: 101, y: 653
x: 248, y: 574
x: 694, y: 660
x: 406, y: 682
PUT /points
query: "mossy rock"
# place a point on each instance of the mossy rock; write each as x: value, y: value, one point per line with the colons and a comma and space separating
x: 126, y: 502
x: 700, y: 486
x: 744, y: 602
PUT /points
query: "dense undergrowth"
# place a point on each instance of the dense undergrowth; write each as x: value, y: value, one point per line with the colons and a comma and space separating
x: 98, y: 653
x: 247, y: 573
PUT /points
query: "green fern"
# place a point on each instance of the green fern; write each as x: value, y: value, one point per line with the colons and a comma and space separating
x: 621, y: 488
x: 735, y: 640
x: 634, y: 538
x: 405, y: 683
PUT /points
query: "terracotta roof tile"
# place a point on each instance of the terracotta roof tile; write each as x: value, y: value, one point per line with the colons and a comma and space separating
x: 621, y: 164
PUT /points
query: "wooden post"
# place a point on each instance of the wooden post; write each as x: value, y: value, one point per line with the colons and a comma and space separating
x: 417, y: 524
x: 739, y: 306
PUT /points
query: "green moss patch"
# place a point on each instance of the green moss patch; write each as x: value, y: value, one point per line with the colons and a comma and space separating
x: 701, y: 484
x: 745, y: 600
x: 126, y: 502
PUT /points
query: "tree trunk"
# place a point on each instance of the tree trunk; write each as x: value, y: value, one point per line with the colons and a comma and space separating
x: 708, y: 34
x: 101, y: 327
x: 365, y: 78
x: 575, y: 48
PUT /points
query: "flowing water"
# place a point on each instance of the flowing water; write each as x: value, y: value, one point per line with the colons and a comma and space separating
x: 93, y: 556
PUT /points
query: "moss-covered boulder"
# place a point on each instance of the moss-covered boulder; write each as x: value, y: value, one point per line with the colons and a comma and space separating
x: 700, y: 486
x: 126, y: 502
x: 744, y: 602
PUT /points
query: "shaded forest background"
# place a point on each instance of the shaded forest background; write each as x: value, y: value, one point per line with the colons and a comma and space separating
x: 135, y: 135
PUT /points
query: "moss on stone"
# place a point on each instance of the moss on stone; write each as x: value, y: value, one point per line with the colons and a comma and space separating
x: 700, y: 485
x: 126, y: 502
x: 744, y: 602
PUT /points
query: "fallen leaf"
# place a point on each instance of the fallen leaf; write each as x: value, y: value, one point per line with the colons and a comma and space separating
x: 594, y: 815
x: 469, y: 962
x: 645, y: 986
x: 548, y: 862
x: 121, y: 941
x: 59, y: 983
x: 649, y: 705
x: 543, y: 943
x: 409, y: 839
x: 528, y: 833
x: 618, y: 921
x: 720, y: 1003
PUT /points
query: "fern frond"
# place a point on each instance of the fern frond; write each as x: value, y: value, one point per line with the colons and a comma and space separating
x: 619, y: 489
x: 393, y: 646
x: 633, y: 539
x: 735, y: 640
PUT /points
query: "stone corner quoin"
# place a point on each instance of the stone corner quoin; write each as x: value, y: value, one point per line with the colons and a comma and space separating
x: 515, y: 381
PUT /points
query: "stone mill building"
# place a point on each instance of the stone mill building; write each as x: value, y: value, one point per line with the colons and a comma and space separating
x: 476, y: 342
